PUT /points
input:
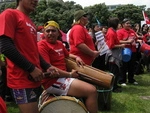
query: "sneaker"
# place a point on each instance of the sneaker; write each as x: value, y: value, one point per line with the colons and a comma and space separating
x: 135, y: 83
x: 123, y: 84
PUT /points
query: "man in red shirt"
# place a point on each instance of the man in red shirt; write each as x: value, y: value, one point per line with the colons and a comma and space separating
x: 54, y: 52
x: 18, y: 42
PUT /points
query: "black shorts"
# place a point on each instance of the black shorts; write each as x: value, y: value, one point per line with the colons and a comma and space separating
x: 27, y: 95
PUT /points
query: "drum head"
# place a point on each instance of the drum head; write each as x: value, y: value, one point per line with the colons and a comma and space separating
x: 63, y: 104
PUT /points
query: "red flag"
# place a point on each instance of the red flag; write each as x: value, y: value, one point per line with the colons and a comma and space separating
x: 147, y: 20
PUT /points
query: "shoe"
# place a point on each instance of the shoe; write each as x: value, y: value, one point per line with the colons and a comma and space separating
x: 134, y: 83
x: 123, y: 84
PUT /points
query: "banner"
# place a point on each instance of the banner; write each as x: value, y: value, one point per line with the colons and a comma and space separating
x: 98, y: 22
x: 101, y: 44
x: 147, y: 20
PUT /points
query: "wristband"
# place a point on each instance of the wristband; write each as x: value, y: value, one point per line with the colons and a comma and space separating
x: 70, y: 75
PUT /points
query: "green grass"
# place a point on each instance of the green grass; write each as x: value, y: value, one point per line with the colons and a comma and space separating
x: 133, y: 98
x: 12, y: 108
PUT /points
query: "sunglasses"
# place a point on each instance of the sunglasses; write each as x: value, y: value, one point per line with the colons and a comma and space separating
x: 128, y: 23
x: 85, y: 15
x: 50, y: 30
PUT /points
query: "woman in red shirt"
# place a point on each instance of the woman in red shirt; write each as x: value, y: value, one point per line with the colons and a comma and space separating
x: 114, y: 44
x: 127, y: 36
x: 80, y: 41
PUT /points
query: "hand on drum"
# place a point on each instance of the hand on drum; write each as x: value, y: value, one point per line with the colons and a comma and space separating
x: 80, y: 62
x: 74, y: 73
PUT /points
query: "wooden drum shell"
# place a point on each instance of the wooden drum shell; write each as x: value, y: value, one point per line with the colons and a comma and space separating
x: 91, y: 74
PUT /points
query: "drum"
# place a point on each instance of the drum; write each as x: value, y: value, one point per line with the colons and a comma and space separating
x: 60, y: 104
x: 145, y: 48
x: 91, y: 74
x: 126, y: 54
x: 104, y: 98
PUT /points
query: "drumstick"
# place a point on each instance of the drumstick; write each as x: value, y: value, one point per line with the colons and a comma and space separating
x: 46, y: 74
x: 102, y: 47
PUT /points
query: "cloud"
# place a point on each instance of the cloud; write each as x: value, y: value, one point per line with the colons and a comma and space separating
x: 111, y: 2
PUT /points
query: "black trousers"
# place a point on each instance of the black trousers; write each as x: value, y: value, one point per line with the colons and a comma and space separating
x: 113, y: 68
x: 128, y: 68
x: 99, y: 63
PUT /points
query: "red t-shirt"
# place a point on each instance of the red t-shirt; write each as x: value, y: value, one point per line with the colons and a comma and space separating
x: 78, y: 35
x: 54, y: 54
x: 111, y: 38
x: 18, y: 26
x: 146, y: 37
x: 124, y: 34
x: 2, y: 106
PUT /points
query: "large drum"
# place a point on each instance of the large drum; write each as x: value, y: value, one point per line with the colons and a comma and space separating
x: 91, y: 74
x: 60, y: 104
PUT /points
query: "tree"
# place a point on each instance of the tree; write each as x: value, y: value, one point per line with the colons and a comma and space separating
x: 61, y: 12
x: 4, y: 6
x: 129, y: 11
x: 98, y: 11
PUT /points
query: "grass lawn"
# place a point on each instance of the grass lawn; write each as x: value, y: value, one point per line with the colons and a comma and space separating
x: 133, y: 98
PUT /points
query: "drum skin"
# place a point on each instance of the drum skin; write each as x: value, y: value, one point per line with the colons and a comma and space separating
x: 60, y: 104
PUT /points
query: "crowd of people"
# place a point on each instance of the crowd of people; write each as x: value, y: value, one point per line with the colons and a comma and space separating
x: 27, y: 52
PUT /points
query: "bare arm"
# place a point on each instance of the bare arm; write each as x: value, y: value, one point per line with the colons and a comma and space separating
x: 86, y: 50
x: 54, y: 72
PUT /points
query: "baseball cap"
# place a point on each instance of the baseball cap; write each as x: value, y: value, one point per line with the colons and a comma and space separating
x: 78, y: 14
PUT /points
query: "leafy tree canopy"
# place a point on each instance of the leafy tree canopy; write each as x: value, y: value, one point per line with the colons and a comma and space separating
x: 62, y: 12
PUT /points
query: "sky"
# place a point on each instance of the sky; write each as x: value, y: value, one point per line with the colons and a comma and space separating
x: 84, y: 3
